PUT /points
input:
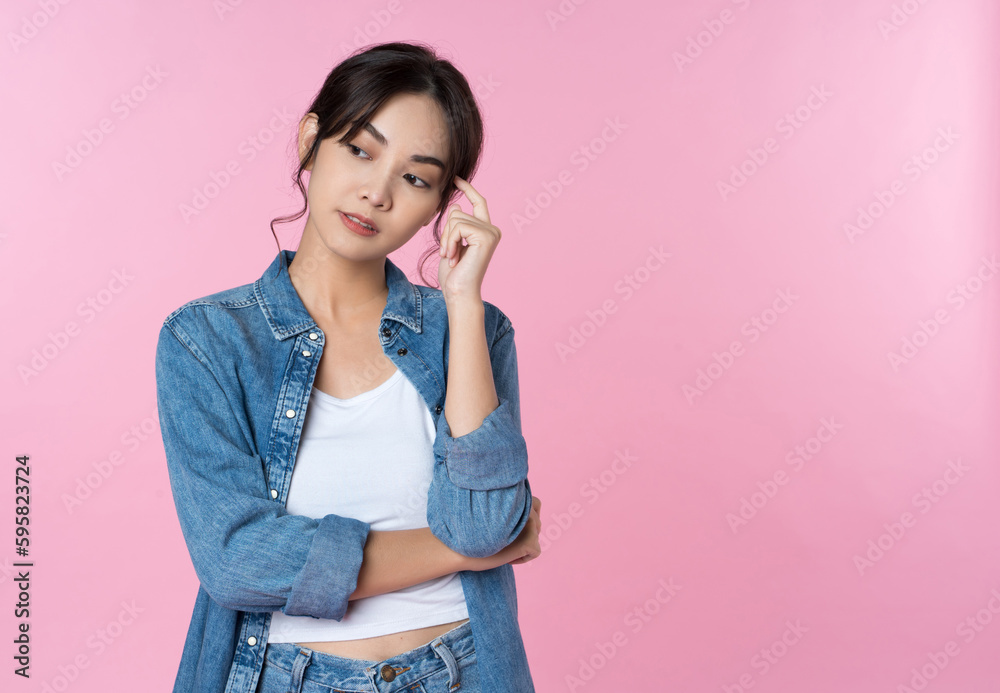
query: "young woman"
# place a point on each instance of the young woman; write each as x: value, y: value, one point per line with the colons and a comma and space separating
x: 344, y: 447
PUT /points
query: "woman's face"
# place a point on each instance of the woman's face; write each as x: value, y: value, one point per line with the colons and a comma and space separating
x: 386, y: 174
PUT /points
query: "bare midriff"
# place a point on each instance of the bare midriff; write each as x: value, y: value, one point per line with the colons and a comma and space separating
x: 382, y: 646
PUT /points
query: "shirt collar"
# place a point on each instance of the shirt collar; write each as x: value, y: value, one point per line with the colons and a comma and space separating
x: 287, y: 316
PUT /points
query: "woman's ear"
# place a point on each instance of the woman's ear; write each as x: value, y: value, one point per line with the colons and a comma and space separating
x: 308, y: 127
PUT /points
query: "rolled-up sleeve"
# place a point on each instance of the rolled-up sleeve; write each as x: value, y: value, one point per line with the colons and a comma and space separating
x: 480, y: 499
x: 249, y: 553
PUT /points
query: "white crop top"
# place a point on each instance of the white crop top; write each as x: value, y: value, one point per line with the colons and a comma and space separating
x: 370, y: 457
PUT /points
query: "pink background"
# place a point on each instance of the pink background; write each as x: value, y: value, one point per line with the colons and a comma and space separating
x: 650, y: 578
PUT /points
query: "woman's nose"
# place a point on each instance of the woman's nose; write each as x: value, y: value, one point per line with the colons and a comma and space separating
x: 376, y: 191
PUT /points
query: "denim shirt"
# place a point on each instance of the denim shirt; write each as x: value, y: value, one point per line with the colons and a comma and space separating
x: 234, y: 371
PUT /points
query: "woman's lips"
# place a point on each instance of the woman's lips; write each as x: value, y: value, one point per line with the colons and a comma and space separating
x: 356, y: 227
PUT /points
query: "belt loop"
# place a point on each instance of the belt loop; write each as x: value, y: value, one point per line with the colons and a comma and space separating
x: 302, y: 660
x: 442, y: 651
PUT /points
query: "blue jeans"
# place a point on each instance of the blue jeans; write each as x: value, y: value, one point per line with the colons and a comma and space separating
x: 445, y: 664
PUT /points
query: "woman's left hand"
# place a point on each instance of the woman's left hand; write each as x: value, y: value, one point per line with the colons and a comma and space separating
x: 462, y: 267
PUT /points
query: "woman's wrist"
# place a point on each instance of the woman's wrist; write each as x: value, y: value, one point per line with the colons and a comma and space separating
x: 458, y: 561
x: 449, y: 560
x: 465, y: 307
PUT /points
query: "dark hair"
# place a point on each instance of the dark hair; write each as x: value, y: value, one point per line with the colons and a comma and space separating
x: 357, y: 87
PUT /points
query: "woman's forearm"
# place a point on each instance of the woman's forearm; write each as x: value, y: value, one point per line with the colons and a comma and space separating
x: 401, y: 558
x: 471, y: 393
x: 397, y: 559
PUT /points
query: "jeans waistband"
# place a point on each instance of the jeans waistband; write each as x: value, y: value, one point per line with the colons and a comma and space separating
x: 387, y: 675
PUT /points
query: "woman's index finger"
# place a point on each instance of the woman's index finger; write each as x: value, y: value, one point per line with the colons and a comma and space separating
x: 479, y: 208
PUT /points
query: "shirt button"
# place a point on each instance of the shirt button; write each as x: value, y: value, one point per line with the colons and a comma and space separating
x: 274, y: 493
x: 388, y: 673
x: 313, y: 336
x: 437, y: 409
x: 307, y: 353
x: 290, y: 413
x: 386, y: 332
x: 251, y: 641
x: 402, y: 352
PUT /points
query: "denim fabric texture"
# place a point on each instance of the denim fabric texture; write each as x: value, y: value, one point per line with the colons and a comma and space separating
x: 234, y: 371
x: 446, y: 664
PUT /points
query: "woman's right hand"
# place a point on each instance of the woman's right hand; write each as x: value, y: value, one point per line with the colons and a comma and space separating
x: 523, y: 549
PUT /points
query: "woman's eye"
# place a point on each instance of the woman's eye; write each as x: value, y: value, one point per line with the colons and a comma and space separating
x: 417, y: 182
x: 420, y: 183
x: 352, y: 149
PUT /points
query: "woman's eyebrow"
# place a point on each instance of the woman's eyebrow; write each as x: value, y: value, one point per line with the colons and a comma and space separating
x: 416, y: 158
